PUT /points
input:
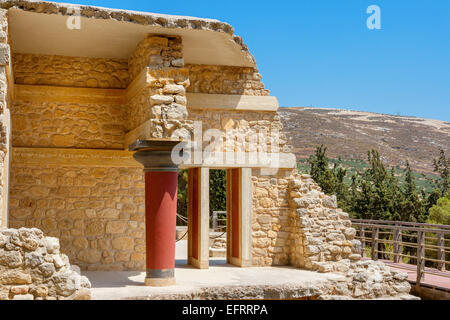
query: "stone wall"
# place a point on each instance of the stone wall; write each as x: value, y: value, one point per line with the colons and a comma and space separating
x: 322, y: 234
x: 97, y: 213
x: 226, y: 80
x: 323, y: 240
x: 4, y: 117
x: 156, y: 52
x: 68, y: 125
x: 32, y: 268
x: 161, y: 98
x: 62, y: 71
x: 270, y: 219
x: 265, y: 127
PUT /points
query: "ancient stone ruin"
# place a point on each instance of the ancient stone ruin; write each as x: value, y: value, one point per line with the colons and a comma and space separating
x: 32, y: 268
x: 74, y: 114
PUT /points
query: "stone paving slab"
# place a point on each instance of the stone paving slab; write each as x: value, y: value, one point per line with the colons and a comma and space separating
x: 123, y: 285
x: 126, y: 285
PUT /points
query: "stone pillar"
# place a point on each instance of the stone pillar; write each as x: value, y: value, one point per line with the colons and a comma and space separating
x: 239, y: 215
x: 157, y: 95
x: 161, y: 183
x: 198, y: 218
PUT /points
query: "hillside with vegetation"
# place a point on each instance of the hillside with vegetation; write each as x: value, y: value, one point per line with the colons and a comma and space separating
x: 349, y: 135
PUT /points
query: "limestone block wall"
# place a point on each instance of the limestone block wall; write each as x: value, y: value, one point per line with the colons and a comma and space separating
x: 245, y: 123
x: 161, y: 99
x: 225, y: 80
x: 303, y: 227
x: 68, y: 125
x: 322, y: 234
x: 62, y: 71
x: 156, y: 51
x: 96, y: 212
x: 270, y: 218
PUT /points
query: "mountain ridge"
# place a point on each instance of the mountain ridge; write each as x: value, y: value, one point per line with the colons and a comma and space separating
x: 351, y: 134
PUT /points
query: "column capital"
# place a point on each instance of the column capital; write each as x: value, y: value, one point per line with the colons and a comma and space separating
x: 155, y: 155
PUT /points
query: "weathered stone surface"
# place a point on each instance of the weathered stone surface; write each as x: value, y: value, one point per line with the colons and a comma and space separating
x: 5, y: 55
x: 11, y: 259
x: 47, y: 269
x: 123, y: 243
x: 24, y: 297
x: 90, y: 256
x: 401, y: 276
x: 52, y: 244
x: 330, y: 202
x: 161, y: 99
x: 173, y: 89
x: 35, y: 276
x: 113, y: 206
x: 15, y: 277
x: 83, y: 294
x: 324, y: 242
x: 225, y: 80
x: 65, y: 71
x: 39, y: 291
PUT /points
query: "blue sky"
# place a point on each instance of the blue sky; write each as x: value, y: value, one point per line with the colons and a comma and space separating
x: 320, y: 52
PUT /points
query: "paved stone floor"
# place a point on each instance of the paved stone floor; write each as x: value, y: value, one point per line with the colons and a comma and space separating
x: 123, y: 285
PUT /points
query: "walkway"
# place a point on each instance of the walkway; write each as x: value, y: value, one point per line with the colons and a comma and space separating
x: 432, y: 277
x: 281, y: 282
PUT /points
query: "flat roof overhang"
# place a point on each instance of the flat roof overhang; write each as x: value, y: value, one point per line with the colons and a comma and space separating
x: 41, y: 33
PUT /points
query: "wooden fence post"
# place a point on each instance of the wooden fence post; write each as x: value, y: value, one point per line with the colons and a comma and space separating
x: 375, y: 243
x: 420, y: 256
x: 363, y: 242
x: 214, y: 220
x: 397, y: 247
x: 441, y: 252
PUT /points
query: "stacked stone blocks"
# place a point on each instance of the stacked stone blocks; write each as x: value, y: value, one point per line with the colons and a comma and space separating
x: 323, y: 240
x: 162, y: 99
x: 32, y: 268
x: 97, y: 213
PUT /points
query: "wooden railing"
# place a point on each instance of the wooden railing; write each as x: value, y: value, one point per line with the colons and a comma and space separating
x: 217, y: 223
x: 395, y: 240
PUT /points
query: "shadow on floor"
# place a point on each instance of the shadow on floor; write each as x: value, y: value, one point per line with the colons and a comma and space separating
x: 182, y: 264
x: 114, y: 279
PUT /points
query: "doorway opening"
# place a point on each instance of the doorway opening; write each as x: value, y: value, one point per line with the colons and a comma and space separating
x: 237, y: 200
x: 218, y: 216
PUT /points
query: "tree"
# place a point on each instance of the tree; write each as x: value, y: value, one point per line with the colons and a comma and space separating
x: 218, y: 190
x: 440, y: 213
x: 340, y: 188
x: 320, y: 171
x: 377, y: 191
x: 411, y: 207
x: 182, y: 198
x: 442, y: 167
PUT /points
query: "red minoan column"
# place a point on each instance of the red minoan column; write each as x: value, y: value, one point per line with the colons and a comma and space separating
x: 161, y: 183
